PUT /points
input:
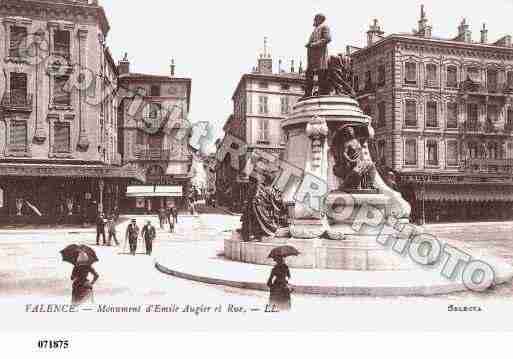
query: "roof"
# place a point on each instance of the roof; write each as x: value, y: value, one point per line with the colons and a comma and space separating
x: 433, y: 40
x: 67, y: 4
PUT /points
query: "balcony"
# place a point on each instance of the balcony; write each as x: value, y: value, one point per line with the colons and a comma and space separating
x: 488, y: 165
x: 17, y: 102
x: 153, y: 154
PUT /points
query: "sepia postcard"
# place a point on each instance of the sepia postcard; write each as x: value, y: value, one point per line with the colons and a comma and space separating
x: 255, y: 166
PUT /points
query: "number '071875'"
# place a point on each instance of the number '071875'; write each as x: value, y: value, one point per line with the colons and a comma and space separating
x: 53, y: 344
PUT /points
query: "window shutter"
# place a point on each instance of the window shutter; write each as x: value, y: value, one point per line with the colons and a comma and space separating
x: 18, y: 135
x: 61, y: 137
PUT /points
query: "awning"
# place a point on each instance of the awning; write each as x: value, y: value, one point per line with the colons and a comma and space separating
x: 71, y: 171
x: 154, y: 191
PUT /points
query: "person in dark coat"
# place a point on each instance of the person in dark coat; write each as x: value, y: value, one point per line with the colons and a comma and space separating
x: 132, y: 233
x: 82, y: 291
x: 279, y: 296
x: 162, y: 217
x: 111, y: 228
x: 148, y: 233
x: 100, y: 229
x: 174, y: 213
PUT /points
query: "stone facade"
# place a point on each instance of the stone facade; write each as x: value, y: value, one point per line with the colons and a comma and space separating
x: 55, y: 104
x: 443, y: 114
x: 154, y: 131
x: 261, y: 101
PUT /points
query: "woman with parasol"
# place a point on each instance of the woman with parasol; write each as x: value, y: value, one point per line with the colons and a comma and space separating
x: 82, y: 257
x: 279, y: 296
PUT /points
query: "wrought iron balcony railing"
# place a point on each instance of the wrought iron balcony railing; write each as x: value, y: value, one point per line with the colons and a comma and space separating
x: 17, y: 102
x: 150, y: 154
x: 488, y: 165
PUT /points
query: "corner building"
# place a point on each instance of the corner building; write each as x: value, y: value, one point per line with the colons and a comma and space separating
x: 443, y: 114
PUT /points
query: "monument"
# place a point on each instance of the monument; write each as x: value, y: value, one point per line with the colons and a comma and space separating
x: 328, y: 138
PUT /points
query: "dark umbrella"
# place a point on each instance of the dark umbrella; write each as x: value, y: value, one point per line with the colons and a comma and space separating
x: 71, y: 252
x: 283, y: 251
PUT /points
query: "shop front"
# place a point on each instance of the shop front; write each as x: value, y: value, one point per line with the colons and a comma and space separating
x: 146, y: 199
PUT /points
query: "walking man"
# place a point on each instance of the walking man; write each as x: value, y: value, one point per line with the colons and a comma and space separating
x: 132, y: 233
x: 162, y: 217
x: 148, y: 233
x: 174, y: 213
x: 100, y: 229
x: 111, y: 228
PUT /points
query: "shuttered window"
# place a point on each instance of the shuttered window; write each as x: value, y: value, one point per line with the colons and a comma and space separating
x: 410, y: 156
x: 452, y: 77
x: 410, y: 113
x: 431, y: 75
x: 18, y: 88
x: 18, y: 136
x: 452, y: 153
x: 285, y: 107
x: 262, y: 105
x: 452, y: 115
x: 62, y: 138
x: 62, y: 41
x: 431, y: 114
x: 472, y: 115
x: 432, y: 153
x: 18, y: 41
x: 61, y: 97
x: 411, y: 73
x: 491, y: 78
x: 263, y: 130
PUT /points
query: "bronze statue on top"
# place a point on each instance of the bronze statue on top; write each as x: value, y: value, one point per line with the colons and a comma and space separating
x: 334, y: 75
x: 353, y: 162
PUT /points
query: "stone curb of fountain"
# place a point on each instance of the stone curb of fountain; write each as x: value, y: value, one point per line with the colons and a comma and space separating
x: 357, y: 283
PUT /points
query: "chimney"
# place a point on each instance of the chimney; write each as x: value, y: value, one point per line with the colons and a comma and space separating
x: 464, y: 33
x: 172, y: 67
x: 484, y: 34
x: 124, y: 65
x: 374, y: 34
x: 265, y: 61
x: 424, y: 29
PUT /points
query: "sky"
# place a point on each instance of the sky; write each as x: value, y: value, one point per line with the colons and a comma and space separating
x: 215, y: 42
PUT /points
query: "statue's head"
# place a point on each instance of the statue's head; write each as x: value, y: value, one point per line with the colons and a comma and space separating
x: 348, y: 132
x: 319, y: 19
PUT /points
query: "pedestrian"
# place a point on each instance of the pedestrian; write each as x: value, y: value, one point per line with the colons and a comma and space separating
x: 148, y: 233
x: 82, y: 291
x: 162, y: 217
x: 111, y: 228
x: 100, y: 229
x: 279, y: 296
x: 132, y: 233
x: 174, y: 213
x: 172, y: 222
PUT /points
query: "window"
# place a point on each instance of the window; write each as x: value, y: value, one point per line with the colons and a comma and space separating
x: 452, y: 77
x: 139, y: 137
x: 262, y: 105
x: 509, y: 119
x: 493, y: 113
x: 356, y: 83
x: 510, y: 79
x: 452, y: 153
x: 432, y: 153
x: 491, y: 80
x: 472, y: 112
x: 473, y: 73
x: 431, y: 114
x: 431, y: 75
x: 381, y: 75
x: 155, y: 90
x: 18, y: 41
x: 61, y: 138
x: 154, y: 110
x: 410, y: 113
x: 381, y: 114
x: 452, y: 115
x: 381, y: 152
x: 61, y: 97
x: 410, y: 73
x: 263, y: 84
x: 493, y: 151
x: 285, y: 87
x: 18, y: 88
x: 285, y: 107
x: 18, y: 140
x: 410, y: 149
x: 472, y: 150
x: 368, y: 80
x: 62, y: 41
x: 263, y: 130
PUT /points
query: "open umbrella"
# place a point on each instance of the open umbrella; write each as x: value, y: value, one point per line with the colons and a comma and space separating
x: 70, y: 254
x: 283, y: 251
